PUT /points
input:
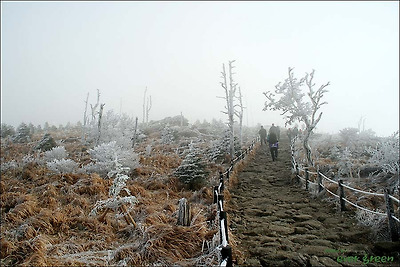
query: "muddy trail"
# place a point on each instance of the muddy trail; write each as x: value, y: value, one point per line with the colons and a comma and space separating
x: 277, y: 223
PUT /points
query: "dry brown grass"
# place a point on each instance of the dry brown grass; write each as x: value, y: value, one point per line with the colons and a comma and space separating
x: 158, y: 164
x: 45, y: 218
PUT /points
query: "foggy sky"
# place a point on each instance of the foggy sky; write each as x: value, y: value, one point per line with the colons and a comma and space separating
x: 54, y: 53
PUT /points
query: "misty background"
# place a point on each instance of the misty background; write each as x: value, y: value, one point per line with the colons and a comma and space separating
x: 54, y: 53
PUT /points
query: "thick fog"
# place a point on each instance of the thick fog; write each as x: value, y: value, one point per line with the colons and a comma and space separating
x: 54, y: 53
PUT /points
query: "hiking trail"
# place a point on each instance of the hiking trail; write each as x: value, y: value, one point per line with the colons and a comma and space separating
x: 278, y: 223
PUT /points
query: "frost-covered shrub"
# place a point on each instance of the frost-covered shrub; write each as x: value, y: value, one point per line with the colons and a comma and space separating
x: 28, y: 159
x: 118, y: 128
x: 119, y: 185
x: 46, y: 143
x: 9, y: 165
x: 386, y: 154
x: 57, y: 152
x: 62, y: 165
x: 105, y: 155
x: 374, y: 221
x: 345, y: 162
x: 167, y: 135
x: 334, y: 153
x: 349, y: 136
x: 192, y: 171
x: 148, y: 150
x: 370, y: 219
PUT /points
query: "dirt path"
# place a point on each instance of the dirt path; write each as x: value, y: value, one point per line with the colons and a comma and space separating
x: 277, y: 223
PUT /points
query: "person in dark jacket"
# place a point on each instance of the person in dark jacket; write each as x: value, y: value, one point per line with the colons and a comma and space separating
x: 263, y: 135
x: 273, y: 144
x: 274, y: 129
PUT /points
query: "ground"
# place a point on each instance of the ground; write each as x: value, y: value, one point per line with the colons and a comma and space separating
x: 275, y: 222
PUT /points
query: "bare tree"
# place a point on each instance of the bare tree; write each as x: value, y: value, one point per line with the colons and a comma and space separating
x: 230, y: 90
x: 85, y: 118
x: 292, y: 104
x: 239, y: 114
x: 146, y: 107
x: 99, y: 123
x: 94, y: 108
x: 134, y: 133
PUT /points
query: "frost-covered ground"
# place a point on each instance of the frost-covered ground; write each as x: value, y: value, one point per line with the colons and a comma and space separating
x: 80, y: 196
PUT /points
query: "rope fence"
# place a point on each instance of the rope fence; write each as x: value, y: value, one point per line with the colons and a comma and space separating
x: 392, y: 219
x: 218, y: 192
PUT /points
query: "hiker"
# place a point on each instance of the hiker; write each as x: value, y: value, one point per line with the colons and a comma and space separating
x: 295, y: 131
x: 263, y: 135
x: 272, y: 129
x: 273, y: 144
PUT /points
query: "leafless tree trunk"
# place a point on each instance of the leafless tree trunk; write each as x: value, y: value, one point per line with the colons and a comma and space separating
x: 99, y: 123
x: 85, y: 119
x: 229, y: 97
x: 181, y: 119
x: 134, y: 133
x: 311, y: 122
x: 144, y: 106
x: 148, y: 107
x: 94, y: 108
x: 239, y: 114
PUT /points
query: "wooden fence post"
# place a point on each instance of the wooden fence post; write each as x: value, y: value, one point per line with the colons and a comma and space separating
x: 320, y: 188
x: 341, y: 196
x: 226, y: 253
x: 215, y: 194
x: 297, y: 173
x: 222, y: 216
x: 393, y: 230
x: 184, y: 212
x: 221, y: 182
x: 307, y: 177
x: 220, y: 199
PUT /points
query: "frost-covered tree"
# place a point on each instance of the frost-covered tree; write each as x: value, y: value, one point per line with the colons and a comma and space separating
x: 7, y: 130
x: 167, y: 135
x: 118, y: 128
x: 193, y: 170
x: 23, y: 134
x: 349, y: 136
x: 46, y: 143
x: 119, y: 194
x: 386, y: 154
x: 32, y: 128
x: 289, y: 98
x: 221, y: 147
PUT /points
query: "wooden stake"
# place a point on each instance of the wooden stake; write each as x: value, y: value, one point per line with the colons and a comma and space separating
x: 127, y: 216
